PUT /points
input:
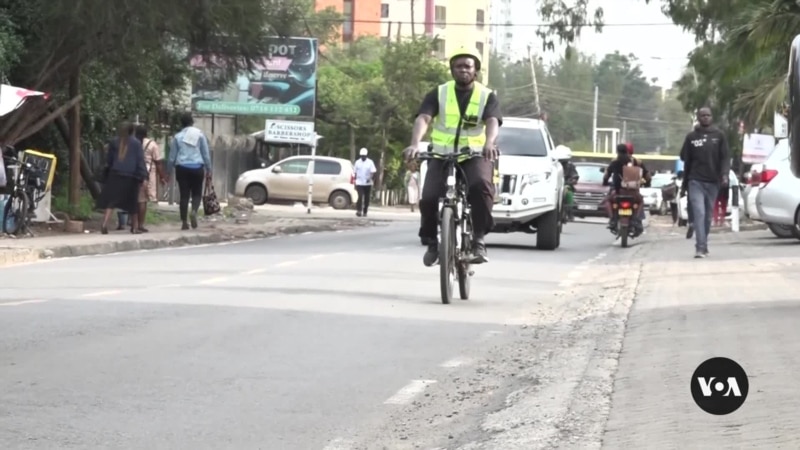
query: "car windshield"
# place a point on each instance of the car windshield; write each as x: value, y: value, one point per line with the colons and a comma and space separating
x: 658, y: 182
x: 521, y: 142
x: 590, y: 174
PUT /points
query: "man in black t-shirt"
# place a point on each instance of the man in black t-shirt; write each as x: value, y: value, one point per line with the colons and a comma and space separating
x: 464, y: 66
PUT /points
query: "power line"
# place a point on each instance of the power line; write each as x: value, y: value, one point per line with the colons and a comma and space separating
x: 485, y: 24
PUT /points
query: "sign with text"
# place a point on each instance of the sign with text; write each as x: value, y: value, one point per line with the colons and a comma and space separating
x: 290, y: 132
x: 283, y: 83
x: 780, y: 126
x: 756, y: 148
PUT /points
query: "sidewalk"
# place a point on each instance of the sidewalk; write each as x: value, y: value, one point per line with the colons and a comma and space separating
x: 741, y: 303
x: 57, y: 245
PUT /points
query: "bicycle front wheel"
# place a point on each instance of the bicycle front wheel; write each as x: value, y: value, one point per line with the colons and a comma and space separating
x: 447, y: 249
x: 15, y: 214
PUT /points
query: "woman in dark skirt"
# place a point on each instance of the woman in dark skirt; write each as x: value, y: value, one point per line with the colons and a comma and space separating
x: 125, y: 172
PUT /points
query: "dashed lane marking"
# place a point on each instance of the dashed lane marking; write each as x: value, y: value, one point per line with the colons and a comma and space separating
x: 455, y: 362
x: 408, y: 392
x: 22, y: 302
x: 339, y: 444
x: 101, y: 293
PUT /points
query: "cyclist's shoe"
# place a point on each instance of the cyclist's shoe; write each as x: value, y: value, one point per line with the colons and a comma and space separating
x: 479, y: 254
x: 431, y: 256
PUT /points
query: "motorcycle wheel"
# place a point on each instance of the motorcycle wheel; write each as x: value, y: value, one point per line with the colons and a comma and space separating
x: 623, y: 235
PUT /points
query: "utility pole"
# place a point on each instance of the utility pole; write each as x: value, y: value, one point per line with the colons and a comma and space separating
x: 535, y: 84
x: 594, y: 120
x: 624, y: 130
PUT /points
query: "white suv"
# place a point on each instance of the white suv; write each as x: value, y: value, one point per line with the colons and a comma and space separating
x: 531, y: 185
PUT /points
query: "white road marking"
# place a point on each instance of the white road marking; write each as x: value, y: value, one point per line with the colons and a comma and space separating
x: 307, y: 232
x: 167, y: 286
x: 339, y: 444
x: 311, y: 258
x: 214, y: 280
x: 286, y: 263
x: 22, y: 302
x: 398, y: 248
x: 101, y: 293
x: 255, y: 271
x: 408, y: 392
x: 455, y: 362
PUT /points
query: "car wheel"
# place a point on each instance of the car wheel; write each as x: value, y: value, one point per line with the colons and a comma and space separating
x: 339, y: 200
x: 548, y: 230
x: 781, y: 231
x: 257, y: 193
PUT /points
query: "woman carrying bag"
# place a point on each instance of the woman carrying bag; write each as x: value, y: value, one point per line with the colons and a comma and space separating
x: 190, y: 158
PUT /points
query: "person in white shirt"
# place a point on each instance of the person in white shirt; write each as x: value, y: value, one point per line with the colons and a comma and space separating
x: 364, y: 171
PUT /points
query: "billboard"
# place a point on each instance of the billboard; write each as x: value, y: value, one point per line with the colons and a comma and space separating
x: 284, y: 83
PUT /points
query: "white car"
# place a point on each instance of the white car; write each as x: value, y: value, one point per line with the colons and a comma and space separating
x: 751, y: 192
x: 531, y: 182
x: 652, y: 195
x: 778, y: 197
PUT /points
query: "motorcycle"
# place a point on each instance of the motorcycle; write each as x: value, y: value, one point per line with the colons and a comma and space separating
x: 625, y: 209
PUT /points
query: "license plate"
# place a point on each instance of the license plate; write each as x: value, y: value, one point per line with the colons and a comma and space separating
x: 586, y: 207
x: 625, y: 212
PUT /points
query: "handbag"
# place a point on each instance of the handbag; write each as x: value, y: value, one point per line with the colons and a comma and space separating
x: 210, y: 203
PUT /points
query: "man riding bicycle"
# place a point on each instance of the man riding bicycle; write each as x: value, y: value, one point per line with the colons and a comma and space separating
x: 469, y: 112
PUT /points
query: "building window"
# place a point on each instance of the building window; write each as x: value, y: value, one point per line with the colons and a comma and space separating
x: 440, y: 16
x: 479, y: 47
x: 479, y: 20
x: 439, y: 45
x: 384, y: 10
x: 347, y: 26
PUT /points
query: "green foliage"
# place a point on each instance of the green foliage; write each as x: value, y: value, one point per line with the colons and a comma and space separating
x: 82, y: 211
x: 739, y: 65
x: 627, y: 100
x: 368, y: 96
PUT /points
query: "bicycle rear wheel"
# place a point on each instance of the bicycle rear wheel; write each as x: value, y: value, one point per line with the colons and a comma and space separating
x: 447, y: 248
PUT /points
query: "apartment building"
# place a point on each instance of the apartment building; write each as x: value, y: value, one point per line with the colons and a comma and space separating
x: 362, y: 17
x: 455, y: 22
x: 501, y: 29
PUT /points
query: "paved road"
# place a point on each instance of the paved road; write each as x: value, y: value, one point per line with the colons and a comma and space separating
x: 285, y: 343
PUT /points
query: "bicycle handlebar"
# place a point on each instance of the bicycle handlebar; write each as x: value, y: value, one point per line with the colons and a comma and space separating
x: 425, y: 156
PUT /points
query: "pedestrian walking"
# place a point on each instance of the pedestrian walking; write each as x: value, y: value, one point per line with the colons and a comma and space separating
x: 706, y: 166
x: 412, y: 184
x: 365, y: 172
x: 190, y: 158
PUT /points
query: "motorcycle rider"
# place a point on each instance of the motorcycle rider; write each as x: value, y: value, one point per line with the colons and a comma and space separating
x: 571, y: 178
x: 614, y: 170
x: 468, y: 109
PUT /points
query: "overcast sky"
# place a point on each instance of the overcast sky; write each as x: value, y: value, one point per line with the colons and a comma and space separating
x: 662, y: 50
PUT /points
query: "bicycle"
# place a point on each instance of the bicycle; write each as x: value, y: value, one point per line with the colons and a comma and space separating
x: 455, y: 225
x: 28, y: 190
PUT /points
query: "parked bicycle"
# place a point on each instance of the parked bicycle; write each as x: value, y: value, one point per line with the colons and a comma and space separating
x: 27, y: 190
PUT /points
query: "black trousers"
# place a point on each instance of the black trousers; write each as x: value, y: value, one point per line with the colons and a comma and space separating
x: 479, y: 173
x: 190, y: 187
x: 364, y: 193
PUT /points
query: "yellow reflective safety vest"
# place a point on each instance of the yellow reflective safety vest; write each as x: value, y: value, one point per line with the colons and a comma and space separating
x: 445, y: 126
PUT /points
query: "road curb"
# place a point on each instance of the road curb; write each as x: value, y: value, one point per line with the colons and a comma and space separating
x: 10, y: 257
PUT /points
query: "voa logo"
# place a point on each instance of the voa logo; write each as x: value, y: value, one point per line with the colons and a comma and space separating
x: 719, y: 387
